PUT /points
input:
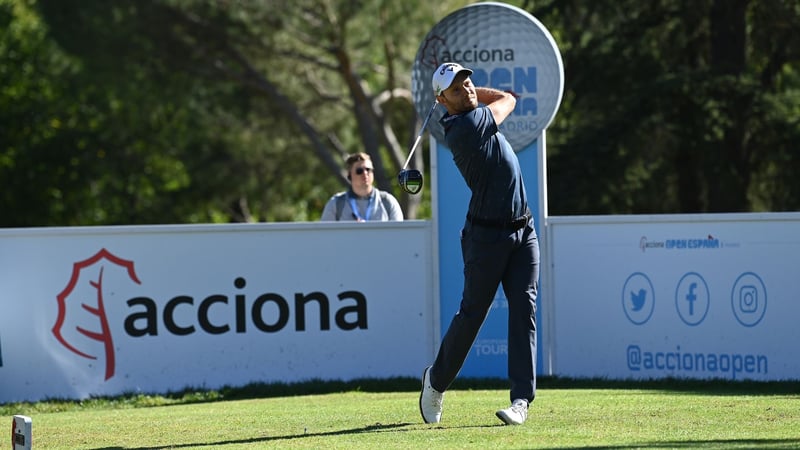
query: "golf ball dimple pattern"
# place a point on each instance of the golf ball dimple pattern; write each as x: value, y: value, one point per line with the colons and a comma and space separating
x: 484, y: 27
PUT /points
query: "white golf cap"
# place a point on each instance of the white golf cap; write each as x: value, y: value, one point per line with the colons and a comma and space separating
x: 445, y: 74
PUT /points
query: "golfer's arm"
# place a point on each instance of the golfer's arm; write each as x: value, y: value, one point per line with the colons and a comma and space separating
x: 500, y: 102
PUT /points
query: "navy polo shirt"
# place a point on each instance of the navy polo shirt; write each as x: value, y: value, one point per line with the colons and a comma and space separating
x: 488, y: 164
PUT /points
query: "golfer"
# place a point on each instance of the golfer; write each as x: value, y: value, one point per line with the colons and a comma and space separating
x: 498, y: 242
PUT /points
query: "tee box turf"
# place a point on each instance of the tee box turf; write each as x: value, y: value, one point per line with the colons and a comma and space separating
x: 21, y: 428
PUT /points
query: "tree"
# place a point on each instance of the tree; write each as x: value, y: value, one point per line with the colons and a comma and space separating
x: 82, y: 145
x: 675, y: 106
x: 180, y: 111
x: 313, y: 80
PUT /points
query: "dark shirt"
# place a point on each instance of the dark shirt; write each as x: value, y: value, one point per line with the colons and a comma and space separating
x: 488, y: 164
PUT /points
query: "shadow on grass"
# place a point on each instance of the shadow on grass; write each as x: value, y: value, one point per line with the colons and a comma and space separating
x: 376, y: 428
x: 192, y: 395
x: 712, y: 443
x: 383, y: 428
x: 404, y: 384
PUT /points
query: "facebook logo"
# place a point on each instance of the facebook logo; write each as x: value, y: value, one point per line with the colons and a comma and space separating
x: 692, y: 299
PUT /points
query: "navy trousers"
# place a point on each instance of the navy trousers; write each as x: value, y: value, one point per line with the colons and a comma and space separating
x: 494, y: 256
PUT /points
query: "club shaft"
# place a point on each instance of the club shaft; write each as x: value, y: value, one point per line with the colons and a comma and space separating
x: 411, y: 153
x: 419, y: 136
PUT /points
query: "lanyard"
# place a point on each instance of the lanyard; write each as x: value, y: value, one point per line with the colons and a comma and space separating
x: 354, y: 206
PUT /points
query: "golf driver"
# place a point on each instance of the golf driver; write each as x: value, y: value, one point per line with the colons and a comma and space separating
x: 411, y: 179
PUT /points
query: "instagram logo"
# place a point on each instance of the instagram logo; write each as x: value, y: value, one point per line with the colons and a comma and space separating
x: 748, y: 299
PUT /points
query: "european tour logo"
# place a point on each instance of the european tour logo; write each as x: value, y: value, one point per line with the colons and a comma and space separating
x: 85, y: 327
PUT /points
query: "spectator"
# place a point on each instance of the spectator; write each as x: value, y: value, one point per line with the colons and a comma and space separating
x: 362, y: 202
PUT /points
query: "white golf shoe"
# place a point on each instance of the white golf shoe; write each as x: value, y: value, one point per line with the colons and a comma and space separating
x: 516, y: 414
x: 430, y: 400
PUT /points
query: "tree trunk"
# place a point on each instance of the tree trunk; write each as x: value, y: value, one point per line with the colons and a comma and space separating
x: 730, y: 164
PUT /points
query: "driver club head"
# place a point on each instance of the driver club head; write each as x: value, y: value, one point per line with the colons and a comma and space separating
x: 410, y: 180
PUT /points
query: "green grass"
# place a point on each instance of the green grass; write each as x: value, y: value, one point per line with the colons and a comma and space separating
x: 383, y: 414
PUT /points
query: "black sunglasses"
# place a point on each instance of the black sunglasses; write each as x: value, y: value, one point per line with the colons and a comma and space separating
x: 361, y: 170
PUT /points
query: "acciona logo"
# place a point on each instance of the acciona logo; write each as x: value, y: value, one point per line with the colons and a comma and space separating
x: 472, y: 55
x: 84, y: 326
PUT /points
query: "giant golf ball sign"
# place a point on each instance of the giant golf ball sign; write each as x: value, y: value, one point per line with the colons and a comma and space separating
x: 507, y: 49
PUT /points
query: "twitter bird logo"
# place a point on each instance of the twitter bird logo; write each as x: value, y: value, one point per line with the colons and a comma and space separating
x: 638, y: 299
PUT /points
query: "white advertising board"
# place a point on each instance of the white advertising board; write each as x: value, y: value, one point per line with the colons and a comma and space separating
x: 685, y: 296
x: 110, y: 310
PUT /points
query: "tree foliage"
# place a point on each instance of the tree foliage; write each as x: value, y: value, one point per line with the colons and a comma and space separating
x: 181, y: 111
x: 676, y: 106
